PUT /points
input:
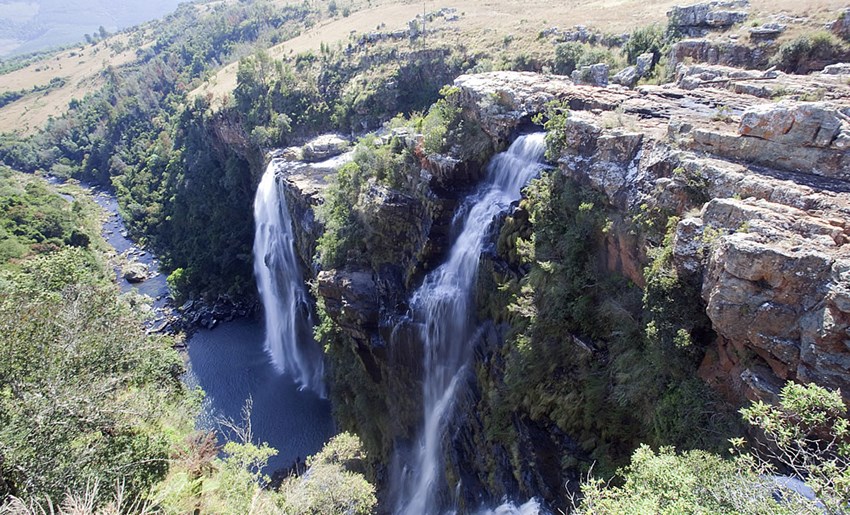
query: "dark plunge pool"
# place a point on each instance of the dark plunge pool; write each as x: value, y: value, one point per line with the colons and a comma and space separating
x: 231, y: 364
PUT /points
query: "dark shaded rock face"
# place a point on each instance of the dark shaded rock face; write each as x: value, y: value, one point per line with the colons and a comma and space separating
x: 724, y: 53
x: 841, y: 26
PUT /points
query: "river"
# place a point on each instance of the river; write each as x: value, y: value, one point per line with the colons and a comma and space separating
x: 230, y: 364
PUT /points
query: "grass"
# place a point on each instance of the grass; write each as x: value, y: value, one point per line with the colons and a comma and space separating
x: 483, y: 25
x: 81, y: 69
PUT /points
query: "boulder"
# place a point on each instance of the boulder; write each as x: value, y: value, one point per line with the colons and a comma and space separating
x: 630, y: 75
x: 594, y: 75
x: 841, y: 26
x: 626, y: 77
x: 768, y: 31
x: 135, y: 272
x: 643, y: 65
x: 324, y: 147
x: 799, y: 125
x: 837, y: 69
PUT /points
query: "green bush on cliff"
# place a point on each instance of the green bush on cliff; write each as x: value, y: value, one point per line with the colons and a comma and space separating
x: 334, y: 482
x: 805, y: 436
x: 549, y: 372
x: 609, y: 364
x: 572, y: 55
x: 337, y: 214
x: 234, y: 481
x: 809, y: 52
x: 652, y: 39
x: 669, y: 483
x: 553, y: 118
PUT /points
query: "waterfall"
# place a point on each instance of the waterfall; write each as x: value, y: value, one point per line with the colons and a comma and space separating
x: 443, y: 308
x: 288, y: 317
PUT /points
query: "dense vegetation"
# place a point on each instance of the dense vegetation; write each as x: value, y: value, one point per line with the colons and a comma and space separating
x: 88, y: 399
x: 183, y: 190
x: 806, y: 435
x: 608, y: 362
x: 85, y: 395
x: 92, y: 409
x: 33, y: 220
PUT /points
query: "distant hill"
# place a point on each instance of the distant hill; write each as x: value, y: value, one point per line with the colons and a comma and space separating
x: 33, y: 25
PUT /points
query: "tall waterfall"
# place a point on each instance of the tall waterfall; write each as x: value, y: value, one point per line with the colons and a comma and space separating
x: 289, y: 324
x: 443, y: 308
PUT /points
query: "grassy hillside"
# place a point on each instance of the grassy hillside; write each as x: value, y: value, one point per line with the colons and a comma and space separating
x: 482, y: 25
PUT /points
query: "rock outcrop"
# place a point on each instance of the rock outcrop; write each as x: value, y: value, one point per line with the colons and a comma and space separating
x: 595, y: 75
x: 324, y: 147
x: 697, y: 19
x: 770, y: 184
x: 758, y: 195
x: 722, y: 52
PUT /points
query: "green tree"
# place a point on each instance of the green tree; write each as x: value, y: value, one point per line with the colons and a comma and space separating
x: 807, y: 435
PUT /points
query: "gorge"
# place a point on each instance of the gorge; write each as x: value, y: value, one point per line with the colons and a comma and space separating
x: 502, y: 261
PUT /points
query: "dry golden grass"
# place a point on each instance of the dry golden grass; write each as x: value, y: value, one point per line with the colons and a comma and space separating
x: 81, y: 70
x: 483, y: 25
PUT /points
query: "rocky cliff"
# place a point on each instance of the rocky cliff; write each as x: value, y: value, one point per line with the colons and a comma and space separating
x: 745, y: 194
x: 766, y: 180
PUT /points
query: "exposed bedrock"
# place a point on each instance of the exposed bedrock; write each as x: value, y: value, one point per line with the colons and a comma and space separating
x: 762, y: 190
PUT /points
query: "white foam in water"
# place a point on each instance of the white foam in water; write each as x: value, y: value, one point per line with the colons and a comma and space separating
x: 443, y: 307
x: 288, y: 319
x: 531, y: 507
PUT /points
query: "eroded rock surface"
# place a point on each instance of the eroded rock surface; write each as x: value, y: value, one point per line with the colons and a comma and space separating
x: 767, y: 192
x: 697, y: 19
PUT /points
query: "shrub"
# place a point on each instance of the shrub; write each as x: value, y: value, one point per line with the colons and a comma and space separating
x: 651, y: 38
x: 808, y: 435
x: 572, y: 55
x: 809, y: 52
x: 665, y: 482
x: 554, y: 118
x: 333, y: 483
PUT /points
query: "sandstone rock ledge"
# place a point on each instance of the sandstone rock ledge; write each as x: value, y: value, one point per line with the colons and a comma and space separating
x: 762, y: 189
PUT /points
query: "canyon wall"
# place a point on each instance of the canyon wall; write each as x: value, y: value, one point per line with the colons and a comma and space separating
x: 739, y: 198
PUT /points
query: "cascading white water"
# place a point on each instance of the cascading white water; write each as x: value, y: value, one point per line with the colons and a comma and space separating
x: 442, y: 305
x: 289, y: 324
